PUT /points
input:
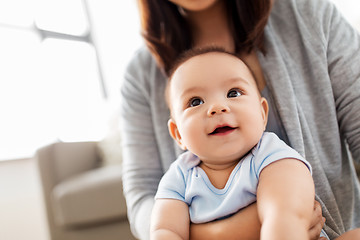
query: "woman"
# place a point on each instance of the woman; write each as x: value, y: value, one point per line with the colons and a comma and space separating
x: 305, y: 58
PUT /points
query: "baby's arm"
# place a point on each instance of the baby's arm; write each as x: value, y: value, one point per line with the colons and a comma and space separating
x: 169, y: 220
x: 246, y: 224
x: 285, y: 198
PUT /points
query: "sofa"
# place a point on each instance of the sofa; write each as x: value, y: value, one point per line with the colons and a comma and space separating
x: 83, y: 197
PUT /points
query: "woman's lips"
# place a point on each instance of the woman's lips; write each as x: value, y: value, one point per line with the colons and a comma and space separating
x: 222, y: 130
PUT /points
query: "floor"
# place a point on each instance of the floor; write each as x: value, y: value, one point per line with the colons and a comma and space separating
x: 22, y: 215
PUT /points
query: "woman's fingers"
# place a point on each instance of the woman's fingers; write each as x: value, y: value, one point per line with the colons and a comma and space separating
x: 317, y: 222
x: 317, y: 214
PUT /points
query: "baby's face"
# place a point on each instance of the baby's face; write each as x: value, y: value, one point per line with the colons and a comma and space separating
x: 217, y: 111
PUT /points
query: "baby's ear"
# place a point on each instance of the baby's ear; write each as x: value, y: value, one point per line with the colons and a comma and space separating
x: 175, y: 134
x: 265, y: 110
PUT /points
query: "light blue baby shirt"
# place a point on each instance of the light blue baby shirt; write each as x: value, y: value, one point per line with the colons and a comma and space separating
x: 187, y: 182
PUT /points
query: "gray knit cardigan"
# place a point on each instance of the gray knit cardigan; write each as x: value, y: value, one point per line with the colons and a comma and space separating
x: 312, y: 69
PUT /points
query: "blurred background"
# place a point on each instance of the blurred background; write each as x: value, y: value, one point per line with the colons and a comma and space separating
x: 61, y: 66
x: 62, y: 63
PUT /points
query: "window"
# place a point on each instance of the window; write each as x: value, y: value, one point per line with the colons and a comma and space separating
x: 62, y: 63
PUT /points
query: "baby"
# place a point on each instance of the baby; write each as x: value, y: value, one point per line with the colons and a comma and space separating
x: 219, y: 116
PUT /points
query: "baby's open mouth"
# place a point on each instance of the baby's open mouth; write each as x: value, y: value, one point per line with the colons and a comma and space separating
x: 224, y: 129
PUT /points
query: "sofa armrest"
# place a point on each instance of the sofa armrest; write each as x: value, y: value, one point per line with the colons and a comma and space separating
x: 59, y: 161
x: 93, y: 197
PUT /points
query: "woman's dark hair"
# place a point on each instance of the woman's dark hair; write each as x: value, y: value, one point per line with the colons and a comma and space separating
x: 167, y: 33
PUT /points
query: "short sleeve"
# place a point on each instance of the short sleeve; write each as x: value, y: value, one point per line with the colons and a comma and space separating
x: 271, y: 149
x: 173, y: 183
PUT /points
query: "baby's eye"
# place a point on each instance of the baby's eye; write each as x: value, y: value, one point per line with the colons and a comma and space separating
x: 234, y: 93
x: 195, y: 102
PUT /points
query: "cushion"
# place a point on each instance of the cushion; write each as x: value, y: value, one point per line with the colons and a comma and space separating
x: 92, y: 197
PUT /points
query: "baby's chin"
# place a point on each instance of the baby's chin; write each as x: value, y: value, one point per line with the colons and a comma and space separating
x: 222, y: 160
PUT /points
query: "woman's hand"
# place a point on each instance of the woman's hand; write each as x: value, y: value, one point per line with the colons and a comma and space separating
x: 246, y: 224
x: 317, y: 222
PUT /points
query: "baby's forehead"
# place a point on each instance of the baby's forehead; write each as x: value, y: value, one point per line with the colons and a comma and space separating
x: 212, y: 62
x: 213, y: 57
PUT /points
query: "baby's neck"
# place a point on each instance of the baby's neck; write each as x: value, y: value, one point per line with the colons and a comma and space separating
x: 218, y: 174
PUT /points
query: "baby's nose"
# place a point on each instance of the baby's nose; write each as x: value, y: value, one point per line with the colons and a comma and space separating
x: 217, y: 109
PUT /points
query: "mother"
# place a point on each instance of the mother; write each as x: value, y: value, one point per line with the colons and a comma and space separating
x: 305, y: 58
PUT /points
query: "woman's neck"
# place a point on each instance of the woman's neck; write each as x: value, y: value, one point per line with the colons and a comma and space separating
x: 211, y: 27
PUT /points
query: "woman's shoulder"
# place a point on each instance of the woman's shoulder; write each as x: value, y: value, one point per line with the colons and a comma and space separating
x: 141, y: 59
x: 303, y: 4
x: 143, y: 69
x: 302, y: 8
x: 307, y: 17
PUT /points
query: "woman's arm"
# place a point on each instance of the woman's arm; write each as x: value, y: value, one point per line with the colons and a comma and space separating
x: 343, y: 47
x: 169, y: 220
x: 142, y: 168
x: 285, y: 199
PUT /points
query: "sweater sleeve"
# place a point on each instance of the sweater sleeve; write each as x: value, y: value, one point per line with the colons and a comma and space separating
x: 142, y: 168
x: 344, y: 69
